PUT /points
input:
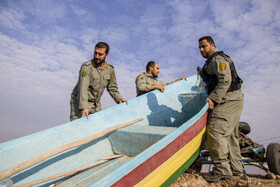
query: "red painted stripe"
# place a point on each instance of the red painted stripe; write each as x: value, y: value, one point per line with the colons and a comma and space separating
x: 143, y: 170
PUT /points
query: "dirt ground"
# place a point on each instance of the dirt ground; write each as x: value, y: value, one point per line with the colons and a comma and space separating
x: 194, y: 179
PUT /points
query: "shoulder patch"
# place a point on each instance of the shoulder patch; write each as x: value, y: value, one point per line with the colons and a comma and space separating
x: 222, y: 66
x: 84, y: 74
x: 141, y: 78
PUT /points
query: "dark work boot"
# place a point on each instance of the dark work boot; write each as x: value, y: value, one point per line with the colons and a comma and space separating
x: 242, y: 176
x: 215, y: 177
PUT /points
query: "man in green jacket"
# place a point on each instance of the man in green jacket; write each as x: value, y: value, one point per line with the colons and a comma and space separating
x: 226, y: 101
x: 148, y: 81
x: 94, y: 76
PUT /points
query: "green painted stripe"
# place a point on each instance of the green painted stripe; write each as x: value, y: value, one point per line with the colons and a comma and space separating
x: 184, y: 167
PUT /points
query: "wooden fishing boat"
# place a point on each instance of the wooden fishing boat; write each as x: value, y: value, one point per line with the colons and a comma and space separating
x: 155, y: 150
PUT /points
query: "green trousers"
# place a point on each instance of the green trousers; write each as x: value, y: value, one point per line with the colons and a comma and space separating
x: 222, y: 137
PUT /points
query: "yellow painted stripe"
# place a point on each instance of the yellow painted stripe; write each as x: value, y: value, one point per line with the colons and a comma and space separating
x: 164, y: 171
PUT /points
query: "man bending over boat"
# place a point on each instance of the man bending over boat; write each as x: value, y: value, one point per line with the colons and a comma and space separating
x: 226, y: 101
x: 94, y: 76
x: 148, y: 81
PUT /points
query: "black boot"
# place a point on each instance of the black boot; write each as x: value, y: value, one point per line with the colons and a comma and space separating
x: 242, y: 176
x: 215, y: 177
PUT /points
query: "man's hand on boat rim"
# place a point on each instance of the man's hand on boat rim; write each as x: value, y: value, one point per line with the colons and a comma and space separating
x: 85, y: 113
x: 211, y: 103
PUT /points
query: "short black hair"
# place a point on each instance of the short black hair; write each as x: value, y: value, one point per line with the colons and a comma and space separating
x: 103, y: 45
x: 208, y: 38
x: 150, y: 63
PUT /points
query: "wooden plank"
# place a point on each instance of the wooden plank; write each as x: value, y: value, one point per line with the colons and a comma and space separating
x: 45, y: 156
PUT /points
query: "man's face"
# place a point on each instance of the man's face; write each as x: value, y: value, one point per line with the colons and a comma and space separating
x: 99, y: 55
x: 155, y: 70
x: 205, y: 48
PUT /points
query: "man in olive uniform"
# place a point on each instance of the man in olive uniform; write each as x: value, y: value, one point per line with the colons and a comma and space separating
x: 94, y: 76
x: 226, y: 101
x: 148, y: 81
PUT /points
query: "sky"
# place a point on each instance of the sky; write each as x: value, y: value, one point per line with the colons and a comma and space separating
x: 43, y: 44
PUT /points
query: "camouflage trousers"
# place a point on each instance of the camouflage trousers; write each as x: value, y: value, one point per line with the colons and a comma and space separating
x: 222, y: 137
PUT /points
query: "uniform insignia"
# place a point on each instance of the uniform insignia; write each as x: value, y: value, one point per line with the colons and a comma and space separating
x: 222, y: 66
x: 106, y: 66
x: 141, y: 78
x: 115, y: 76
x: 84, y: 74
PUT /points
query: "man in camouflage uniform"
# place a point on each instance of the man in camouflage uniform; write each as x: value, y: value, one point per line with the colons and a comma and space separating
x: 226, y: 102
x: 94, y: 76
x: 148, y: 81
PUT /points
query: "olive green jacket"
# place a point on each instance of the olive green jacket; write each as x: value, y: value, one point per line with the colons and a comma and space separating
x: 90, y: 87
x: 220, y: 66
x: 144, y: 81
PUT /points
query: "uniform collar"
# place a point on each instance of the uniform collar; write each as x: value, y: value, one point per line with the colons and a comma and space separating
x: 148, y: 75
x: 214, y: 51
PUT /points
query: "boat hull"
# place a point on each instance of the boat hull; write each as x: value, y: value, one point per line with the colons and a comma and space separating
x: 171, y: 161
x: 158, y: 148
